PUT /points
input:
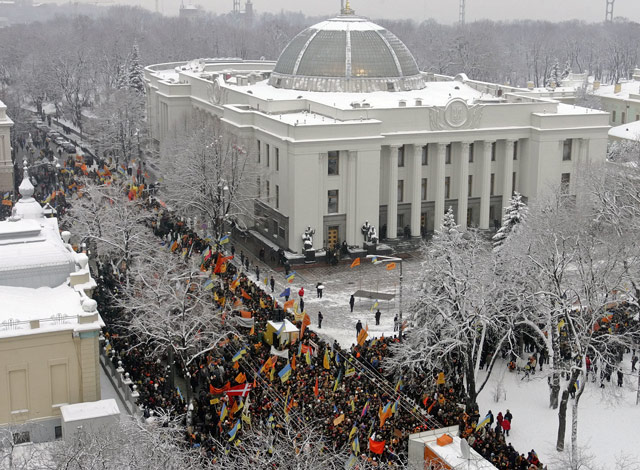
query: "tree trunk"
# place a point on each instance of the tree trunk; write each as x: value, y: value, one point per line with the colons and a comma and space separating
x: 562, y: 421
x: 574, y: 434
x: 555, y: 391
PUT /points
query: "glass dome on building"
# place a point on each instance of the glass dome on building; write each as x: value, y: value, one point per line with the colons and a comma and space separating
x: 346, y: 54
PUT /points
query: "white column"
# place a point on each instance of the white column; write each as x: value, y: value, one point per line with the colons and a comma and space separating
x: 352, y: 222
x: 392, y: 202
x: 463, y: 185
x: 485, y: 185
x: 439, y: 184
x: 415, y: 166
x: 507, y: 175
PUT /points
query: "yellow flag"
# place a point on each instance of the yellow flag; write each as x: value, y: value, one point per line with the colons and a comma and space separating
x: 325, y: 361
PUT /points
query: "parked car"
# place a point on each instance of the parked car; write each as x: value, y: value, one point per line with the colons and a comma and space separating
x: 69, y: 148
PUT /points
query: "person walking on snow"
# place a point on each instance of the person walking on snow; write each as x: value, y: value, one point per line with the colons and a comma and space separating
x: 319, y: 289
x: 358, y: 328
x: 273, y: 283
x: 320, y: 317
x: 378, y: 314
x: 352, y: 302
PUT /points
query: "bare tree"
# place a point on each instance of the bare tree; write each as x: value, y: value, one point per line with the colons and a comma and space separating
x: 210, y: 174
x: 170, y: 308
x: 112, y: 223
x: 460, y: 314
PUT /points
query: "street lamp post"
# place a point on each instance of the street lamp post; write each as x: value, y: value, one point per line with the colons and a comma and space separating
x: 392, y: 259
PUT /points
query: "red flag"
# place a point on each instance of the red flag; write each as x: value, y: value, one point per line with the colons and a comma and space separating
x: 240, y: 390
x: 376, y: 447
x: 316, y: 391
x: 220, y: 262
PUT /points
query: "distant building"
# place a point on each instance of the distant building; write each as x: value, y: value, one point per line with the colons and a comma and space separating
x: 622, y: 100
x: 6, y: 164
x: 49, y: 325
x: 190, y: 11
x: 346, y: 129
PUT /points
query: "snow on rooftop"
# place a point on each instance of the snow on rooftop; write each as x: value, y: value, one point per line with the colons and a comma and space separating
x: 288, y: 326
x: 26, y: 303
x: 89, y: 410
x: 573, y: 109
x: 347, y: 23
x: 32, y: 254
x: 630, y: 131
x: 626, y: 88
x: 435, y: 94
x: 452, y: 455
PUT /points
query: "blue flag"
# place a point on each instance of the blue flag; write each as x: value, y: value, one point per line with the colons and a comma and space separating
x: 234, y: 431
x: 286, y: 293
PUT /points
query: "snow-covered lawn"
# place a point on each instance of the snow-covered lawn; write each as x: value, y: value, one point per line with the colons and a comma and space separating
x: 607, y: 417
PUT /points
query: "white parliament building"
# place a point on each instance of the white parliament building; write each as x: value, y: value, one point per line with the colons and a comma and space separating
x: 348, y: 129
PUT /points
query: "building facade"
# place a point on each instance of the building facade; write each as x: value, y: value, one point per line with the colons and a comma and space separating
x: 6, y: 165
x: 49, y: 325
x: 346, y: 130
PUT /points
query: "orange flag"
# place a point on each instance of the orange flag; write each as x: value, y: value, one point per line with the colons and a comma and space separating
x: 316, y: 391
x: 244, y: 294
x: 293, y: 362
x: 306, y: 321
x: 288, y: 304
x: 241, y: 378
x: 391, y: 266
x: 356, y: 262
x: 245, y: 314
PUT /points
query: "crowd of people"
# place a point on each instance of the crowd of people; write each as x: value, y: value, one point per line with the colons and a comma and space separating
x: 344, y: 395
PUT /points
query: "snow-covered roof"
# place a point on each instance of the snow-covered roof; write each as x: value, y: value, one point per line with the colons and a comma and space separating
x: 451, y: 454
x: 434, y: 94
x: 288, y: 326
x: 57, y: 308
x: 627, y: 88
x: 89, y: 410
x: 630, y: 131
x: 32, y: 254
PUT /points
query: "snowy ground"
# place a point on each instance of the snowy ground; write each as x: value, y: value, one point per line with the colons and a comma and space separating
x: 607, y: 418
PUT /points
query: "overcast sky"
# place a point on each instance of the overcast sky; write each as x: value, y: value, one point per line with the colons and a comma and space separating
x: 444, y: 11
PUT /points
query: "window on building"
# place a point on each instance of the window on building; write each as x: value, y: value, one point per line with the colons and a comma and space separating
x: 423, y: 195
x: 492, y: 187
x: 513, y: 183
x: 334, y: 163
x: 259, y: 150
x: 58, y: 432
x: 259, y: 185
x: 493, y: 151
x: 624, y: 118
x: 277, y: 197
x: 447, y: 187
x: 277, y: 159
x: 400, y: 225
x: 425, y: 154
x: 281, y: 232
x: 470, y: 153
x: 470, y: 188
x: 400, y: 190
x: 267, y: 149
x: 268, y: 190
x: 332, y: 206
x: 637, y: 117
x: 21, y: 437
x: 565, y: 180
x: 566, y: 150
x: 401, y: 156
x: 447, y: 155
x: 515, y: 150
x: 613, y: 116
x: 274, y: 227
